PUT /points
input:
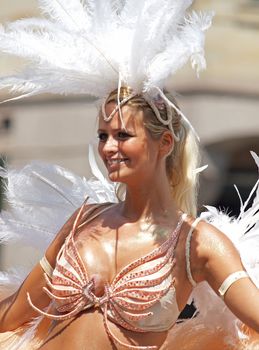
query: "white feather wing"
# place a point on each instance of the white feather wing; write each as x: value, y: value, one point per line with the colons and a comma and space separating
x: 243, y: 231
x: 41, y: 197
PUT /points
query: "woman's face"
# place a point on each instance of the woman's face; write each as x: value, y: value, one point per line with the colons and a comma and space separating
x: 130, y: 155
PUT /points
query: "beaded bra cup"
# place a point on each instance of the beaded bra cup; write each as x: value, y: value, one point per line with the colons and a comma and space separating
x: 141, y: 297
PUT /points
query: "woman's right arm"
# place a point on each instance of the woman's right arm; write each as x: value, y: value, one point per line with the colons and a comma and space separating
x: 15, y: 310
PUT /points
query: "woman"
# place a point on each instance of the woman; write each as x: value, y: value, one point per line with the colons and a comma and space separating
x: 105, y: 313
x: 118, y: 275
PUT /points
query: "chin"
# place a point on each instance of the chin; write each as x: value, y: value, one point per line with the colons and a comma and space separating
x: 117, y: 177
x: 122, y: 176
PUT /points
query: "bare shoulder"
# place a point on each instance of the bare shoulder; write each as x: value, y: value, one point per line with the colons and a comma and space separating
x: 210, y: 249
x: 53, y: 249
x: 209, y: 239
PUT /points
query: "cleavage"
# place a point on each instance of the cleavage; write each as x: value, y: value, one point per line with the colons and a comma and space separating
x: 98, y: 263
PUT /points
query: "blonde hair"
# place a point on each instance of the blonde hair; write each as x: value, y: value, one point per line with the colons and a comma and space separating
x: 182, y: 162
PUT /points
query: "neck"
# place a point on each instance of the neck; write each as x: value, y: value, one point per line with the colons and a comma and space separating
x: 152, y: 200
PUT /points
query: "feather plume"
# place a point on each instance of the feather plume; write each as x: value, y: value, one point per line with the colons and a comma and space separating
x: 83, y: 47
x: 72, y: 15
x: 25, y: 341
x: 179, y: 50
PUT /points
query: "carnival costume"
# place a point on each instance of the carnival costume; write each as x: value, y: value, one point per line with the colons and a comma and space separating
x: 92, y: 48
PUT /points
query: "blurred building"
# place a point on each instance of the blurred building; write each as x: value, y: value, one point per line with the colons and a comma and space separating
x: 223, y: 105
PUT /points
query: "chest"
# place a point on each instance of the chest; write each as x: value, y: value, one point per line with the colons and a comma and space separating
x: 106, y: 252
x: 111, y: 267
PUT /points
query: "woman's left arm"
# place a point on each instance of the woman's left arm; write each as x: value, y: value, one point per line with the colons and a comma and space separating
x: 214, y: 258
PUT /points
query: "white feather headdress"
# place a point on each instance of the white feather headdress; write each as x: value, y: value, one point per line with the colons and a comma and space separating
x: 88, y: 46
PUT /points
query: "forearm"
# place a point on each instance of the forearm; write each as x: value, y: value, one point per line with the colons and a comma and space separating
x: 243, y: 300
x: 4, y: 308
x: 15, y: 310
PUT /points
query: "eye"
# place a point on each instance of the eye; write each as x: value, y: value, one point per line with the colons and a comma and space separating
x: 102, y: 136
x: 122, y: 135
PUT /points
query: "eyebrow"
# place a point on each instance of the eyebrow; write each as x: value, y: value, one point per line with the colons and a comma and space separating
x: 115, y: 130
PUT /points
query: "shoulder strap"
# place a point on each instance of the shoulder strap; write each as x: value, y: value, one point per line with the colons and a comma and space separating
x: 88, y: 214
x: 188, y: 252
x: 94, y: 211
x: 44, y: 263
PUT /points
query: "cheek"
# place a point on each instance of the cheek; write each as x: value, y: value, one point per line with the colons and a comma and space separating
x: 136, y: 149
x: 145, y: 155
x: 100, y: 150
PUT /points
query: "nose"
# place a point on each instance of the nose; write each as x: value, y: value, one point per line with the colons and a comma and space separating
x: 110, y: 146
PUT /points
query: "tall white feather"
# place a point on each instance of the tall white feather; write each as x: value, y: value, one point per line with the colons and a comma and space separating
x: 82, y: 47
x: 72, y: 15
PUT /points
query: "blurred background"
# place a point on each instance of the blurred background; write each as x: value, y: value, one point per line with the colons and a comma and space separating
x: 223, y: 105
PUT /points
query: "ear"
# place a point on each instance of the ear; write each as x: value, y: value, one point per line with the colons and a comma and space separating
x: 166, y: 143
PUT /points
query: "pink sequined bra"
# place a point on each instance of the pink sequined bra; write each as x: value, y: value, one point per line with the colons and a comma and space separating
x: 141, y: 297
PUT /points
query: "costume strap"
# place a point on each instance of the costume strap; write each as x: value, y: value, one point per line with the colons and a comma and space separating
x: 46, y: 267
x: 91, y: 214
x: 120, y: 343
x: 227, y: 283
x: 44, y: 263
x: 188, y: 252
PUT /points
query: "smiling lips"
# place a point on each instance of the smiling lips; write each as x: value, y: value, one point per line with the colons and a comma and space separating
x: 115, y: 161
